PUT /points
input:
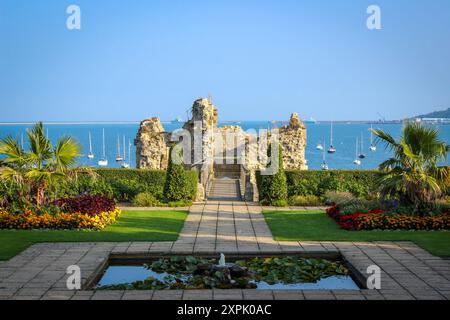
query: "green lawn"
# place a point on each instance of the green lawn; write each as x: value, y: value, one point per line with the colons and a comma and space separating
x: 316, y: 225
x: 131, y: 226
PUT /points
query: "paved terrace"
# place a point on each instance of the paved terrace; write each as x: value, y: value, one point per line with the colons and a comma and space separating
x: 408, y: 272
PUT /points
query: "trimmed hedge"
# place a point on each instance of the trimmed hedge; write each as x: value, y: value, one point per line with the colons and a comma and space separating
x: 316, y: 182
x: 125, y: 184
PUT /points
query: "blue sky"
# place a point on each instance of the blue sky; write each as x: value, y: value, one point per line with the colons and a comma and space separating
x: 260, y: 60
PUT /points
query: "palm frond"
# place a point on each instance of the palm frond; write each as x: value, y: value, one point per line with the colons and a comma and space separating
x: 65, y: 153
x: 12, y: 150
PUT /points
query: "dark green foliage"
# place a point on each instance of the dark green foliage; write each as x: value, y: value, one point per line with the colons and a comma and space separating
x: 145, y: 199
x: 317, y: 183
x: 273, y: 190
x: 128, y: 183
x: 125, y: 184
x: 177, y: 187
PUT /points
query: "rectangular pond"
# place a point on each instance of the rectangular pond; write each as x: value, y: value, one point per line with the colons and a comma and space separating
x: 259, y: 273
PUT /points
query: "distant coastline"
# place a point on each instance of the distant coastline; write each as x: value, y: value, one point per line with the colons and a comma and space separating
x: 224, y: 122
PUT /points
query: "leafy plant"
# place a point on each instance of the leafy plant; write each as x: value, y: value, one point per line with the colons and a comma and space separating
x: 87, y: 204
x: 176, y: 187
x: 413, y: 174
x: 336, y: 197
x: 42, y: 166
x: 145, y: 199
x: 308, y: 200
x: 273, y: 188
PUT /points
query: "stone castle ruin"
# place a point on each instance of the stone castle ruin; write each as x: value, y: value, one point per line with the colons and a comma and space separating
x: 226, y: 157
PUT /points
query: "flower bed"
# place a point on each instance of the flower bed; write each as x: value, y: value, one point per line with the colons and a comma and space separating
x: 87, y: 204
x: 380, y: 220
x: 28, y: 220
x: 84, y: 212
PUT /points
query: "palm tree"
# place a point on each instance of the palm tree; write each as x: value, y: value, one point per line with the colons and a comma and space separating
x: 40, y: 167
x: 414, y: 173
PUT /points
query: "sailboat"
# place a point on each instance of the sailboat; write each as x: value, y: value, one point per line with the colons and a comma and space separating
x: 357, y: 161
x: 331, y: 149
x: 103, y: 162
x: 119, y: 155
x: 373, y: 147
x: 324, y: 165
x: 361, y: 151
x: 90, y: 154
x: 125, y: 164
x: 319, y: 146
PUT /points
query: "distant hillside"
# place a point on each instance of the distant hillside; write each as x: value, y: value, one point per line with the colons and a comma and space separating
x: 436, y: 114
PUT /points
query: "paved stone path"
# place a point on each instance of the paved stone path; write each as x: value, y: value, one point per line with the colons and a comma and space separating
x: 408, y: 272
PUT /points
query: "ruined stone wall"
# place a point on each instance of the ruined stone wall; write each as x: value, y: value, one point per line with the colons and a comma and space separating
x: 152, y: 142
x: 293, y: 140
x: 204, y: 121
x: 152, y: 151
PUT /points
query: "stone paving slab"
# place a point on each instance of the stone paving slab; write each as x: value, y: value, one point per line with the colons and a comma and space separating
x: 234, y: 228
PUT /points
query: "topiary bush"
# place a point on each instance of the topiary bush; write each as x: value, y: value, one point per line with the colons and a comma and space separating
x: 273, y: 190
x: 176, y: 187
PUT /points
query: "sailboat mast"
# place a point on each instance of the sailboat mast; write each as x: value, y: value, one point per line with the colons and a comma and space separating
x: 362, y: 142
x: 129, y: 151
x: 124, y: 149
x: 90, y: 143
x: 104, y: 149
x: 371, y: 135
x: 118, y: 145
x: 331, y: 136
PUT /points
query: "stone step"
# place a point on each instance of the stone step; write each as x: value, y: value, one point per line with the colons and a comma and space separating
x: 224, y: 189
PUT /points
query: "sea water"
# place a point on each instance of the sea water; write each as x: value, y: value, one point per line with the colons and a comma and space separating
x: 344, y: 136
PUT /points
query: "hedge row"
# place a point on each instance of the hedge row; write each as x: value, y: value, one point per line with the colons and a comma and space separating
x: 314, y: 182
x: 125, y: 184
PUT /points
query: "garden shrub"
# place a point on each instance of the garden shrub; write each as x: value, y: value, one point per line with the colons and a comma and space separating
x: 338, y: 197
x: 176, y: 187
x: 145, y: 199
x: 359, y: 205
x: 86, y: 204
x: 273, y: 190
x: 308, y: 200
